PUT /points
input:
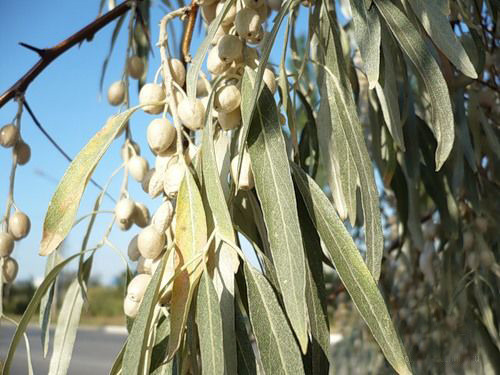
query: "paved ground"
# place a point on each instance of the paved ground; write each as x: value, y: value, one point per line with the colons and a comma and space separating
x: 94, y: 352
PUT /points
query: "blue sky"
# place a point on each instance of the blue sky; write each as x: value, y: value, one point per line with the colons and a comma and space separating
x: 67, y: 101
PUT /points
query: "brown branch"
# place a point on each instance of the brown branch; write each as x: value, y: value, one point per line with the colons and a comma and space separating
x: 188, y: 32
x: 47, y: 55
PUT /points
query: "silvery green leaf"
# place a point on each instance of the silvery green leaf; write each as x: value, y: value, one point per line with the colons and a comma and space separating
x: 342, y: 109
x: 427, y: 68
x: 278, y: 349
x: 159, y: 353
x: 367, y: 34
x: 274, y: 187
x: 437, y: 25
x: 137, y: 344
x: 209, y: 323
x: 247, y: 364
x: 352, y: 271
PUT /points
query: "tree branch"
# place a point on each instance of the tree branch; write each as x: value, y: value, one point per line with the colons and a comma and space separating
x: 48, y: 55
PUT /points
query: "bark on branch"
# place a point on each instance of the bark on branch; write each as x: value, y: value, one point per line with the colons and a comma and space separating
x: 47, y: 55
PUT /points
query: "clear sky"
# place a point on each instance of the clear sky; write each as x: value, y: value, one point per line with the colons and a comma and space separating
x: 67, y: 101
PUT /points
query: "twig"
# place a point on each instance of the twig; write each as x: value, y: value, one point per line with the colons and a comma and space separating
x: 48, y: 55
x: 188, y: 33
x: 54, y: 143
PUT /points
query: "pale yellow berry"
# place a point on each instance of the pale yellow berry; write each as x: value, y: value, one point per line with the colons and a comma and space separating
x: 270, y: 80
x: 246, y: 181
x: 227, y: 99
x: 155, y: 185
x: 23, y: 152
x: 9, y: 134
x: 135, y: 67
x: 138, y: 167
x: 137, y: 287
x: 201, y: 87
x: 152, y: 94
x: 173, y: 178
x: 230, y: 48
x: 247, y: 23
x: 160, y: 135
x: 214, y: 63
x: 150, y: 242
x: 255, y: 4
x: 141, y: 215
x: 191, y: 113
x: 163, y: 216
x: 230, y: 14
x: 230, y: 120
x: 116, y: 93
x: 124, y: 211
x: 133, y: 250
x: 6, y: 244
x: 10, y: 268
x: 19, y: 225
x: 130, y: 307
x: 178, y: 71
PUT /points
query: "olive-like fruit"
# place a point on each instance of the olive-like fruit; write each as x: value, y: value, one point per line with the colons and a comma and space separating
x: 124, y: 211
x: 191, y: 113
x: 246, y: 181
x: 19, y: 225
x: 138, y: 167
x: 133, y: 251
x: 247, y: 23
x: 150, y: 242
x: 135, y: 67
x: 6, y: 244
x: 152, y: 94
x: 230, y: 48
x: 173, y: 178
x: 163, y: 216
x: 230, y: 120
x: 130, y: 307
x: 9, y: 134
x: 9, y: 270
x: 178, y: 71
x: 208, y: 12
x: 160, y: 134
x: 137, y: 287
x: 23, y: 152
x: 227, y: 99
x: 215, y: 64
x: 141, y: 215
x: 255, y: 4
x: 116, y: 93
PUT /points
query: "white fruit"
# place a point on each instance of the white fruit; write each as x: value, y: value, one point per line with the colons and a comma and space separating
x: 231, y: 120
x: 163, y: 216
x: 133, y: 250
x: 191, y: 113
x: 9, y: 134
x: 137, y: 287
x: 141, y: 215
x: 155, y: 185
x: 246, y: 181
x: 227, y: 99
x: 178, y: 71
x: 257, y: 37
x: 247, y: 23
x: 127, y: 150
x: 6, y: 244
x: 116, y: 93
x: 173, y: 178
x: 124, y: 212
x: 150, y: 242
x: 9, y: 270
x: 130, y: 307
x: 152, y: 93
x: 230, y: 48
x: 138, y: 167
x: 219, y: 33
x: 147, y: 178
x: 255, y: 4
x: 19, y: 225
x: 215, y: 64
x: 230, y: 14
x: 201, y: 87
x: 270, y: 80
x: 160, y: 135
x: 135, y: 67
x: 274, y: 4
x: 23, y: 152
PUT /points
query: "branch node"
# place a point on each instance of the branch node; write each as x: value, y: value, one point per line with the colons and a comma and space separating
x: 39, y: 51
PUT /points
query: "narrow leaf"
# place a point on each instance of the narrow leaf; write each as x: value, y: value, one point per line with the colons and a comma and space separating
x: 247, y: 364
x: 426, y: 66
x: 352, y: 271
x: 209, y: 322
x: 278, y: 350
x: 65, y: 201
x: 159, y: 366
x: 276, y: 194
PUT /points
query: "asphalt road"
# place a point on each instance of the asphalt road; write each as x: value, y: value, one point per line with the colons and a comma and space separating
x: 94, y: 351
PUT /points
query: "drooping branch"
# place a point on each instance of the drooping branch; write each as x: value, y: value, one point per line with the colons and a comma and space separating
x: 47, y: 55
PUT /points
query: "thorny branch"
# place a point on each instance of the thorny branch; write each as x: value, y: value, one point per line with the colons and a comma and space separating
x: 47, y: 55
